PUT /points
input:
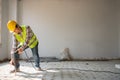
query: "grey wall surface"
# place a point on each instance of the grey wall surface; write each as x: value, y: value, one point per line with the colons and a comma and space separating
x: 4, y: 32
x: 118, y: 21
x: 89, y: 28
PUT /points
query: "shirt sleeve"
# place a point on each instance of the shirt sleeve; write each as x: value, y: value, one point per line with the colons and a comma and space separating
x: 29, y: 35
x: 15, y: 44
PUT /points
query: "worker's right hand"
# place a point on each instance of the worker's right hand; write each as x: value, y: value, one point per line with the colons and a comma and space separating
x: 11, y: 62
x: 20, y: 50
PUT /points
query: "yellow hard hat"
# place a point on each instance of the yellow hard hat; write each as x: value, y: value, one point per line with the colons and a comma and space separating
x: 11, y: 25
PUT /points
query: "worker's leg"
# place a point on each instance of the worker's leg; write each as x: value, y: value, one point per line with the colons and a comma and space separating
x: 36, y: 56
x: 15, y: 58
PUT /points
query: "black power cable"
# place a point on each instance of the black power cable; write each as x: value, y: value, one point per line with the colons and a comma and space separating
x: 30, y: 61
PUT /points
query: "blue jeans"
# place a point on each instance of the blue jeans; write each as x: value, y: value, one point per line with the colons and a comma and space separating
x: 35, y: 56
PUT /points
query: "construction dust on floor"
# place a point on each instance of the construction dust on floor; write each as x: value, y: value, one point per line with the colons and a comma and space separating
x: 64, y: 70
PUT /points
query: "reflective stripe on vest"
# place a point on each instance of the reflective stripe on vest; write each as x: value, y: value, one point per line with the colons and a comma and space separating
x: 22, y: 38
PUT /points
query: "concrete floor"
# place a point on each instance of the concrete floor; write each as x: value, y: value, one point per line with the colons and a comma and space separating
x: 66, y: 70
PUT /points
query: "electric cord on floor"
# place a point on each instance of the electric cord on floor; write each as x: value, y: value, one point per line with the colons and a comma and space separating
x: 30, y: 61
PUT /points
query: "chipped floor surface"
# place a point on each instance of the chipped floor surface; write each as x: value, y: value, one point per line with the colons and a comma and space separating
x: 64, y: 70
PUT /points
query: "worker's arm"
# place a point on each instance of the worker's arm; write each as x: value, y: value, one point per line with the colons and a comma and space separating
x: 14, y: 48
x: 29, y: 35
x: 15, y: 44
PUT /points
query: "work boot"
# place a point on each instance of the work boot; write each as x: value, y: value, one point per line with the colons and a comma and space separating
x: 13, y: 71
x: 39, y: 69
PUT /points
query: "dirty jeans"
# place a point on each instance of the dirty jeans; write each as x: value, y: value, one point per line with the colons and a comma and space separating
x: 35, y: 56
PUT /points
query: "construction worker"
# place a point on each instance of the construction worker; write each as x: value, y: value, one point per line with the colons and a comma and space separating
x: 23, y: 38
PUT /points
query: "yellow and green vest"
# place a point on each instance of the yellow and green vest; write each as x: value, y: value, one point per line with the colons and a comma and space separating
x: 22, y: 39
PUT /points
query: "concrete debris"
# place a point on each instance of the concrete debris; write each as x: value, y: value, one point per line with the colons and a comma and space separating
x: 65, y: 55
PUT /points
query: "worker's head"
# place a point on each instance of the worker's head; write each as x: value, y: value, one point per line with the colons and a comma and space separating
x: 13, y: 26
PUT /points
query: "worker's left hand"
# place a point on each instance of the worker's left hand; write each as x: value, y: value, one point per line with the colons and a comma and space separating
x: 20, y: 50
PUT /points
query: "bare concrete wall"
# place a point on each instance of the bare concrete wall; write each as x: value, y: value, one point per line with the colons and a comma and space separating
x: 118, y: 21
x: 87, y: 27
x: 4, y: 32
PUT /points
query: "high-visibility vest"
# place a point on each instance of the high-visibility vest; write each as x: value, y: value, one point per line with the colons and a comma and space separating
x: 22, y: 38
